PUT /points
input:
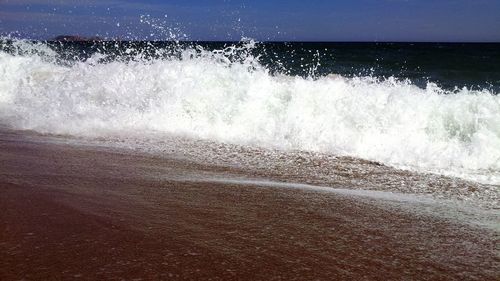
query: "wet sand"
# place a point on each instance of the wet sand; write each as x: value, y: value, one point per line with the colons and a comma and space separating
x: 87, y: 213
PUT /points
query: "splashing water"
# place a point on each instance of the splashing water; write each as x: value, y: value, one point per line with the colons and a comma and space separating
x: 227, y: 95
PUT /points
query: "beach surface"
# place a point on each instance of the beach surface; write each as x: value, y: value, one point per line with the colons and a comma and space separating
x: 94, y: 213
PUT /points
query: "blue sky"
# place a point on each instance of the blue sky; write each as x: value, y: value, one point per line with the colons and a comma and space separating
x: 278, y: 20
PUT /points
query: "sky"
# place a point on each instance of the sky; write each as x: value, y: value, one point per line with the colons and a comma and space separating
x: 263, y: 20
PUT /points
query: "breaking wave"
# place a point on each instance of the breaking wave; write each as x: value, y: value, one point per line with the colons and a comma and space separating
x: 210, y: 95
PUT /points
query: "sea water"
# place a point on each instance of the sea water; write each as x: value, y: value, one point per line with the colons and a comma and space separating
x: 426, y: 108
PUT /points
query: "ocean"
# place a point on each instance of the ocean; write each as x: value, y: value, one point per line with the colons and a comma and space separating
x: 415, y: 118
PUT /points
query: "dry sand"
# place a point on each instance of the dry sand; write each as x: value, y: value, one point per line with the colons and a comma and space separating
x: 86, y: 213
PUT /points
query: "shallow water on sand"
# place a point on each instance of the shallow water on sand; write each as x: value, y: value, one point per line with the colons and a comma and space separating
x: 318, y: 169
x: 191, y: 212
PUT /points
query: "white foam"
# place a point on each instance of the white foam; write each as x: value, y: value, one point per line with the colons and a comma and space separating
x: 204, y: 95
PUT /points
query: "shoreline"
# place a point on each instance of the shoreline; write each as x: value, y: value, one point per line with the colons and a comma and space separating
x: 81, y: 212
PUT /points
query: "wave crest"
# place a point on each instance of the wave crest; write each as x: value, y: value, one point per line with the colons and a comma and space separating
x: 212, y: 95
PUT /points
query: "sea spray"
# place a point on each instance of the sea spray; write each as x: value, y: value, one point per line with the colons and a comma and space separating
x: 228, y: 95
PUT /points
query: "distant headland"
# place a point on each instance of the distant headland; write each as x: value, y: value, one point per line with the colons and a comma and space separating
x: 76, y: 38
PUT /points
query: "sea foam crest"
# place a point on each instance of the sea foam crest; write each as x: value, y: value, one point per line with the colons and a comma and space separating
x: 211, y: 95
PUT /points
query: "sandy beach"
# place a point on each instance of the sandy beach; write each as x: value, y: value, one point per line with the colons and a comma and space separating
x: 90, y: 213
